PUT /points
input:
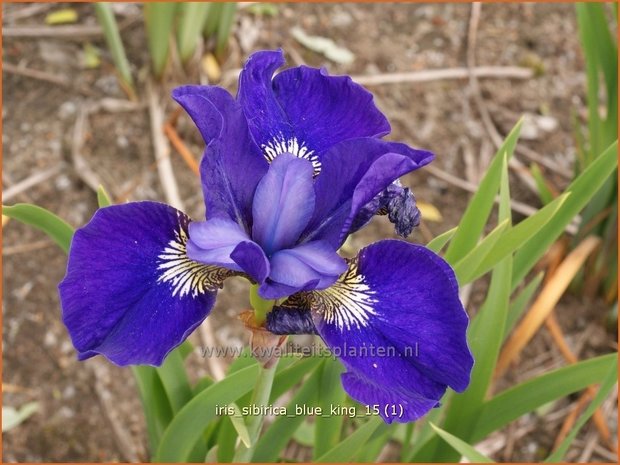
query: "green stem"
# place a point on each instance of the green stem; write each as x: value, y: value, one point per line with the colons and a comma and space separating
x: 260, y: 397
x: 261, y: 306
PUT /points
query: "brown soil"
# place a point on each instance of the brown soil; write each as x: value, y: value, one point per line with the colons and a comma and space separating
x: 82, y: 402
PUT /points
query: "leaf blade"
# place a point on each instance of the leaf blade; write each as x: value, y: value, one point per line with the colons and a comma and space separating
x: 44, y: 220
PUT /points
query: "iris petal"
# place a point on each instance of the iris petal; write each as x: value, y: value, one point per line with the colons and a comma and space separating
x: 211, y: 242
x: 353, y: 173
x: 326, y: 110
x: 304, y: 111
x: 130, y: 292
x: 283, y: 203
x: 403, y: 299
x: 251, y: 258
x: 232, y: 164
x: 314, y: 265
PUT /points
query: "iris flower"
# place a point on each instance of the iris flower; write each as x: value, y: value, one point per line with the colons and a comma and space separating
x: 292, y: 166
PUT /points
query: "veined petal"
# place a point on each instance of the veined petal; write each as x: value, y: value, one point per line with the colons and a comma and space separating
x: 304, y: 111
x: 222, y: 242
x: 130, y: 292
x: 283, y: 203
x: 314, y: 265
x: 232, y: 164
x: 326, y: 110
x: 353, y: 173
x: 396, y: 321
x: 211, y: 242
x: 251, y: 258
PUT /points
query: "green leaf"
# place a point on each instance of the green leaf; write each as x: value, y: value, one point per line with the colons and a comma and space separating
x: 605, y: 49
x: 244, y: 360
x: 193, y: 15
x: 541, y: 184
x: 519, y: 303
x: 477, y: 213
x: 485, y: 338
x: 440, y: 241
x: 226, y: 441
x: 588, y: 42
x: 462, y: 447
x: 159, y: 18
x: 512, y: 403
x: 347, y: 448
x: 581, y: 189
x: 103, y: 198
x: 187, y: 426
x: 514, y: 238
x: 239, y: 425
x: 465, y: 267
x: 328, y: 428
x: 607, y: 385
x: 185, y: 349
x: 155, y: 404
x: 57, y: 229
x: 227, y: 18
x: 304, y: 435
x: 375, y: 444
x: 213, y: 18
x: 203, y: 384
x: 292, y: 374
x: 106, y: 18
x: 409, y: 427
x: 174, y: 379
x: 277, y: 436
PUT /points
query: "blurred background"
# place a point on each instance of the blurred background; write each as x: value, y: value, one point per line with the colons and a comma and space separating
x: 86, y: 92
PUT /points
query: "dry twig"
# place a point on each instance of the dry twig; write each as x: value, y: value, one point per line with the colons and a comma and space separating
x: 82, y: 168
x: 25, y: 248
x: 27, y: 11
x: 45, y: 76
x: 75, y: 32
x: 162, y: 149
x: 171, y: 190
x: 430, y: 75
x: 121, y: 434
x: 31, y: 181
x: 180, y: 146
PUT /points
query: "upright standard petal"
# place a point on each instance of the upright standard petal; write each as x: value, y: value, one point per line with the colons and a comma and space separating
x: 130, y: 292
x: 232, y: 164
x: 396, y: 322
x: 283, y: 203
x: 354, y: 172
x: 304, y: 111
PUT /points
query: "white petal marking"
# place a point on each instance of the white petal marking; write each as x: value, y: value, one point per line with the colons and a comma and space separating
x: 348, y: 302
x: 280, y: 144
x: 183, y: 275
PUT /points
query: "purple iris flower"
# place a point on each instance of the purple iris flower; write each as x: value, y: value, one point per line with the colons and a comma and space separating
x: 292, y: 166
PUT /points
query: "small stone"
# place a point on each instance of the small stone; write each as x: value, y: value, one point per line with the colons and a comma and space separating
x: 67, y: 110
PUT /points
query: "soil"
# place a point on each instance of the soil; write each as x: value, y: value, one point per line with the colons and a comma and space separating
x: 82, y: 404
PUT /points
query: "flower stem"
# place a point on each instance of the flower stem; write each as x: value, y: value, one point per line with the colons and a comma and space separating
x: 261, y: 306
x: 260, y: 397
